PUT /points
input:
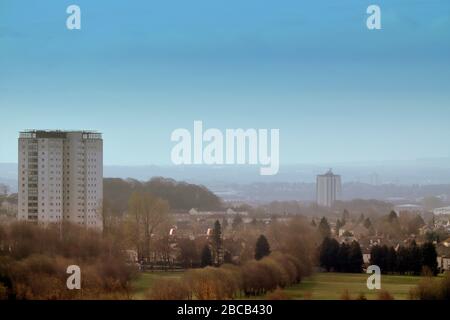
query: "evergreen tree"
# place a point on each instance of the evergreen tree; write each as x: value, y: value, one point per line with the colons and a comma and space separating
x: 392, y: 217
x: 342, y: 263
x: 262, y: 248
x: 403, y: 260
x: 355, y: 258
x: 206, y: 258
x: 367, y: 223
x: 391, y: 260
x: 415, y: 255
x: 378, y: 256
x: 324, y: 228
x: 429, y: 257
x: 217, y: 244
x: 432, y: 236
x: 328, y: 254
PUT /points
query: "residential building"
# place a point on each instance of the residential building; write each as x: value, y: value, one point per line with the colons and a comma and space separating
x: 328, y: 189
x: 409, y: 208
x: 61, y: 177
x: 440, y: 211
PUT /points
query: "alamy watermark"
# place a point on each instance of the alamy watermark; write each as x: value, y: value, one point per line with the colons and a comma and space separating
x: 373, y: 22
x: 73, y: 21
x: 74, y: 280
x: 374, y: 281
x: 236, y: 146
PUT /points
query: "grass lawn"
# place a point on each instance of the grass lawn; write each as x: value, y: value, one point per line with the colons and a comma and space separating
x: 330, y: 286
x: 320, y: 286
x: 145, y: 281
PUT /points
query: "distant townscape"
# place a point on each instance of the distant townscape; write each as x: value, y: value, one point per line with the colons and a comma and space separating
x: 180, y: 240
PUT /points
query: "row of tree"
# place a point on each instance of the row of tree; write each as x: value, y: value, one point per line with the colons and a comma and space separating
x: 34, y: 259
x: 179, y: 195
x: 254, y: 278
x: 210, y: 256
x: 340, y: 257
x: 285, y: 264
x: 411, y: 259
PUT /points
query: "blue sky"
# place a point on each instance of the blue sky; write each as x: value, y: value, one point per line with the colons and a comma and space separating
x: 137, y: 70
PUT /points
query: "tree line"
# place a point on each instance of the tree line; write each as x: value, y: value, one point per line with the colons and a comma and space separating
x: 270, y: 268
x: 34, y: 259
x: 340, y: 257
x: 179, y: 195
x: 412, y: 259
x: 254, y: 278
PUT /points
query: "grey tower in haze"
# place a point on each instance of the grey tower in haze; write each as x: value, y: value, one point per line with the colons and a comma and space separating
x: 328, y: 188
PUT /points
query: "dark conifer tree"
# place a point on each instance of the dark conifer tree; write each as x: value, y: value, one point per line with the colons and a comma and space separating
x: 355, y: 258
x: 262, y: 248
x: 342, y: 264
x: 217, y: 244
x: 328, y: 254
x: 403, y: 260
x: 415, y: 258
x: 206, y: 258
x: 324, y: 228
x: 429, y: 257
x: 391, y: 261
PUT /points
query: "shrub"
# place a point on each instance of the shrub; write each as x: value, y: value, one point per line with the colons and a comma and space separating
x: 213, y: 283
x: 361, y: 296
x: 345, y: 295
x: 290, y: 267
x: 277, y: 275
x: 27, y: 275
x: 307, y: 295
x: 278, y: 294
x: 169, y: 289
x: 432, y: 289
x: 385, y: 295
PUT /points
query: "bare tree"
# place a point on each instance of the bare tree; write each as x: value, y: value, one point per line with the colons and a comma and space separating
x: 145, y: 214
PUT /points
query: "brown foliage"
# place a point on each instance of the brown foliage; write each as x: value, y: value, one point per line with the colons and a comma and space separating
x: 35, y: 267
x: 361, y: 296
x: 384, y: 295
x: 212, y: 283
x: 432, y: 289
x: 297, y: 239
x: 345, y: 295
x: 278, y: 294
x: 169, y: 289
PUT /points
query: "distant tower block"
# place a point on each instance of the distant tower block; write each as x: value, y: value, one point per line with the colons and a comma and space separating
x: 328, y: 188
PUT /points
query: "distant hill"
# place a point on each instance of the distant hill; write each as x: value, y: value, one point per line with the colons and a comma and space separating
x: 180, y: 195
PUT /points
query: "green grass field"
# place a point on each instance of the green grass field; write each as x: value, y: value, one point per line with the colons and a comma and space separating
x: 331, y: 286
x: 145, y: 281
x: 321, y: 286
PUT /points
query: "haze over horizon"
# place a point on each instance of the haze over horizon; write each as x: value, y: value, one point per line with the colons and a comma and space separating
x: 419, y: 172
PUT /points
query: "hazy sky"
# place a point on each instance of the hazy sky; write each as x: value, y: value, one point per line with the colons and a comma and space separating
x: 137, y: 70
